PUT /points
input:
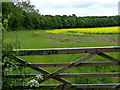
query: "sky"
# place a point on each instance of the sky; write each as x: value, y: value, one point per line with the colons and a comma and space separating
x: 77, y: 7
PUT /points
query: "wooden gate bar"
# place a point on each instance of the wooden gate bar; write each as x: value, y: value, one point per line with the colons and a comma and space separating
x: 116, y: 87
x: 72, y: 86
x: 27, y: 52
x: 68, y: 75
x: 81, y: 64
x: 42, y: 71
x: 90, y: 75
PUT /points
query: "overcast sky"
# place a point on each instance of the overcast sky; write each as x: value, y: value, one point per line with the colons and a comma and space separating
x: 78, y: 7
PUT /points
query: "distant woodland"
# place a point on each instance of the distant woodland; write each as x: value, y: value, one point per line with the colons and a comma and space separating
x: 23, y: 15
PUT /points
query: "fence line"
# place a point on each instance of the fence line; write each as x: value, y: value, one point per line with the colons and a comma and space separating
x: 92, y: 51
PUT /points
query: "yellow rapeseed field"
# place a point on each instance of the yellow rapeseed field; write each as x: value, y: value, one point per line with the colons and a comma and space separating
x: 82, y: 31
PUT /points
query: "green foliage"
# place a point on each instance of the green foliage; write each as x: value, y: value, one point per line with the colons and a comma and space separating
x: 5, y: 26
x: 23, y: 15
x: 8, y: 61
x: 7, y: 54
x: 9, y: 64
x: 8, y: 82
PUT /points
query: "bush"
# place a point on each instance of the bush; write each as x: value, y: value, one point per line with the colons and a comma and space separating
x: 8, y: 62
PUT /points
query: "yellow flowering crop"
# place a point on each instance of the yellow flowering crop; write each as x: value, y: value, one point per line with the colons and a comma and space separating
x: 82, y: 31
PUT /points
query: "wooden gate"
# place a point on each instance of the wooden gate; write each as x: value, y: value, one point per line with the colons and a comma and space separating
x: 92, y: 51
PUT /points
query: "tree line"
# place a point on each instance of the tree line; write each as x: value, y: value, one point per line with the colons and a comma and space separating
x: 23, y: 15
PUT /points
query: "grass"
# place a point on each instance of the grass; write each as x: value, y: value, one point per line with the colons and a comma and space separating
x: 30, y: 39
x: 37, y: 39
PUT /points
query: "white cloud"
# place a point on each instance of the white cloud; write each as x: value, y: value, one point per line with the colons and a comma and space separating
x: 78, y: 7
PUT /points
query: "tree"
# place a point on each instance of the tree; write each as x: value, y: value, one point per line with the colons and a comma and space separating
x: 24, y: 15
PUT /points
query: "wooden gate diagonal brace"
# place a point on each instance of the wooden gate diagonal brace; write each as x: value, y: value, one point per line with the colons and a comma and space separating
x: 108, y: 57
x: 41, y: 70
x: 68, y: 66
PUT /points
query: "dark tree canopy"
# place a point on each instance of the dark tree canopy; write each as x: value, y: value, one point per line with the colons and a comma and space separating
x: 23, y: 15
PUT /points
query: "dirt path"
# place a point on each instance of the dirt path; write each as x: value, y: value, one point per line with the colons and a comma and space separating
x: 77, y: 39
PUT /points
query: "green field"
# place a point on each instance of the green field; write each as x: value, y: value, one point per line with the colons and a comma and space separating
x: 37, y: 39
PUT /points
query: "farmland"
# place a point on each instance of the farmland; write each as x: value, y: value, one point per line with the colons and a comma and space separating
x: 83, y: 31
x: 37, y: 39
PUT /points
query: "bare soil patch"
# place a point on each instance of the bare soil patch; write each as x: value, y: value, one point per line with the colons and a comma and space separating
x: 78, y: 39
x: 103, y: 40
